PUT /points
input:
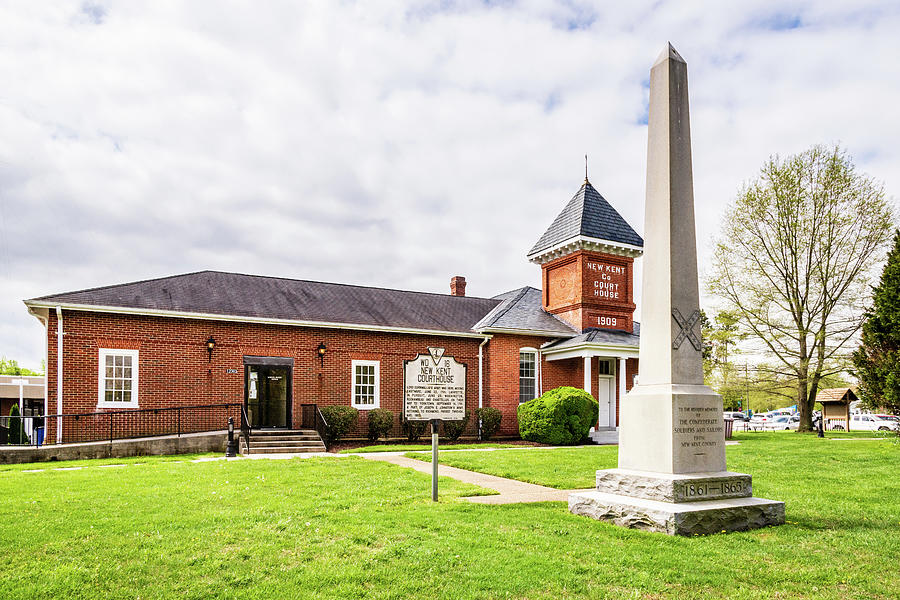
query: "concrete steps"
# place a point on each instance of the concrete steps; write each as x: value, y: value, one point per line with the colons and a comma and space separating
x: 605, y: 436
x: 282, y: 441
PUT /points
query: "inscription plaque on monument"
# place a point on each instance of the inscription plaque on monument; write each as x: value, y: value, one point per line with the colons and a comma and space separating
x: 434, y: 387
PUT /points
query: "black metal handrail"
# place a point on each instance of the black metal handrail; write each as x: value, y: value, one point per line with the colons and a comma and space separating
x: 122, y: 424
x: 246, y: 429
x: 311, y: 418
x: 321, y: 426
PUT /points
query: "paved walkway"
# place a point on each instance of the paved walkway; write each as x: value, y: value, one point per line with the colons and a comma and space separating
x: 510, y: 491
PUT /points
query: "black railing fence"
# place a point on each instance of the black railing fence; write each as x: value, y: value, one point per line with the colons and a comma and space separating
x: 312, y: 419
x: 119, y: 424
x: 246, y: 430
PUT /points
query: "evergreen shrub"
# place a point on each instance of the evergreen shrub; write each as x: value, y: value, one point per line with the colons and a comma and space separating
x: 454, y: 429
x: 561, y: 417
x: 16, y: 427
x: 381, y: 421
x: 413, y: 430
x: 490, y: 421
x: 340, y: 420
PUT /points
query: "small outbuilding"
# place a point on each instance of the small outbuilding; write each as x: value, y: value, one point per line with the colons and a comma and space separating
x: 836, y: 407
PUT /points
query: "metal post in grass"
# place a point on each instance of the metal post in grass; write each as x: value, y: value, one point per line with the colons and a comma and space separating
x: 434, y: 459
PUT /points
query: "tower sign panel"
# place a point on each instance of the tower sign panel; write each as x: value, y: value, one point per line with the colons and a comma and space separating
x: 434, y: 387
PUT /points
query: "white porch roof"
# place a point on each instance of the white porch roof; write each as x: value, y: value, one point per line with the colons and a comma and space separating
x: 596, y: 342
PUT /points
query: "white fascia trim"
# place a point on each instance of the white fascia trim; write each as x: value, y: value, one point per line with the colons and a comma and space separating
x: 582, y: 242
x: 589, y: 349
x: 244, y: 319
x: 541, y: 332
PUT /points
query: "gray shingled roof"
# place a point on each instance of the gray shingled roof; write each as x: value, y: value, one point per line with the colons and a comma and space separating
x: 523, y: 309
x: 600, y: 336
x: 588, y: 214
x: 233, y: 294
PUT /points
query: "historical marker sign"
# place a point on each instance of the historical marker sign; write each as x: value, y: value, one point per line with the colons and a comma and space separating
x: 434, y: 387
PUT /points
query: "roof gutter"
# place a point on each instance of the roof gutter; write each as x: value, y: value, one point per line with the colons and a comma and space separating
x: 590, y: 349
x: 246, y: 319
x: 539, y: 332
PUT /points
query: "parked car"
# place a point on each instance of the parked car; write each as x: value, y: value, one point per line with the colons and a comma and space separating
x: 873, y: 423
x: 779, y: 423
x: 758, y: 421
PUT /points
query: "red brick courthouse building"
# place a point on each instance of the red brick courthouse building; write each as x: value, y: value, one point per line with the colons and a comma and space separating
x: 275, y: 344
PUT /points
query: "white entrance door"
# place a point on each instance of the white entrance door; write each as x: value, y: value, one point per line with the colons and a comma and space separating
x: 604, y: 397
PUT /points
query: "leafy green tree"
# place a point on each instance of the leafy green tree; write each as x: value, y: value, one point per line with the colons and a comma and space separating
x: 11, y: 367
x: 720, y: 340
x: 877, y: 361
x: 794, y: 260
x: 16, y: 427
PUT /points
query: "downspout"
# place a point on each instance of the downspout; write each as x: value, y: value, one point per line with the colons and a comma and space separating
x: 59, y: 371
x: 540, y: 372
x: 486, y: 339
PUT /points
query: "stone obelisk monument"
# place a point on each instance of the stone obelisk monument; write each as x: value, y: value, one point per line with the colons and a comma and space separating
x: 672, y: 475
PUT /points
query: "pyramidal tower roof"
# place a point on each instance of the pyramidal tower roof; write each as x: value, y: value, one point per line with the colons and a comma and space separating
x: 587, y: 222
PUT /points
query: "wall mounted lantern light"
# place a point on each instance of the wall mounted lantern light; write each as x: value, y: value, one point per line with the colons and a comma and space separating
x: 210, y: 344
x: 321, y: 352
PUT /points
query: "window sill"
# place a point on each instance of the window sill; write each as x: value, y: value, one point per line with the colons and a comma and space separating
x: 114, y: 405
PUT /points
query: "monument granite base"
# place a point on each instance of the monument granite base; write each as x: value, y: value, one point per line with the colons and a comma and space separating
x: 677, y: 504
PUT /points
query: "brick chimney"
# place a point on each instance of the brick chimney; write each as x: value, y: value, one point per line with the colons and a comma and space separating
x: 458, y: 286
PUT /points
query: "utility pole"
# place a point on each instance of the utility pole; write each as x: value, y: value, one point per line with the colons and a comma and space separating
x: 747, y: 384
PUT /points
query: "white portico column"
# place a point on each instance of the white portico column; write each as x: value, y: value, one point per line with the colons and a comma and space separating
x: 587, y: 374
x: 622, y: 374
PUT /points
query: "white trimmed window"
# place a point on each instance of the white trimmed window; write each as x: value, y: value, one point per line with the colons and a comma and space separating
x: 527, y: 375
x: 366, y: 378
x: 118, y: 379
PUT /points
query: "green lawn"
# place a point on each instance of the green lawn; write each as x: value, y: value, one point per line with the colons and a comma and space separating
x: 353, y: 528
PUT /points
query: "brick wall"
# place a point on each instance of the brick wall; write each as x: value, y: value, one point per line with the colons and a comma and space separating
x: 590, y: 289
x: 175, y: 369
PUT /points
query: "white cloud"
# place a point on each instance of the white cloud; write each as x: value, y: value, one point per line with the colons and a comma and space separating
x: 357, y: 143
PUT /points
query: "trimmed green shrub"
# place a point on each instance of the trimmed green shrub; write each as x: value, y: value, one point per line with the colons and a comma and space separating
x: 340, y: 420
x: 561, y: 417
x: 16, y: 427
x: 454, y: 429
x: 413, y: 430
x: 381, y: 421
x: 490, y: 421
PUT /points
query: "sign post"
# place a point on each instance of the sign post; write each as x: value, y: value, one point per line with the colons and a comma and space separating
x: 434, y: 459
x: 434, y: 389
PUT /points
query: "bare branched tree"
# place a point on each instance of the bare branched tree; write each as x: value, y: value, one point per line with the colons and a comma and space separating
x: 795, y: 258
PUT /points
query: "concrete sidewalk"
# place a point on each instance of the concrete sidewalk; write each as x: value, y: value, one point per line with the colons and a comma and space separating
x: 510, y: 491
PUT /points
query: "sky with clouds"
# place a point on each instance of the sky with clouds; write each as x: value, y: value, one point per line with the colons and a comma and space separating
x: 391, y: 144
